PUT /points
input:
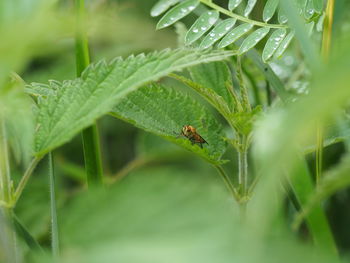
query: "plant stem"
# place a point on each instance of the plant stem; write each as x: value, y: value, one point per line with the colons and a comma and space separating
x: 24, y: 179
x: 327, y: 30
x: 243, y: 166
x: 6, y: 194
x: 5, y: 179
x: 326, y: 46
x: 238, y: 17
x: 91, y: 143
x: 227, y: 182
x: 54, y: 226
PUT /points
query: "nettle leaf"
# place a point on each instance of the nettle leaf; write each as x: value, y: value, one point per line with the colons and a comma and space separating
x: 177, y: 12
x: 77, y: 103
x: 234, y: 35
x: 214, y: 76
x: 284, y: 44
x: 202, y: 25
x: 270, y: 9
x: 249, y: 7
x: 273, y: 43
x: 164, y: 112
x: 232, y: 4
x: 218, y: 32
x: 253, y: 39
x: 161, y: 6
x: 217, y: 101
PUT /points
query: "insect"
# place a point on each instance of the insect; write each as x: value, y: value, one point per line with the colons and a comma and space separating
x: 190, y: 132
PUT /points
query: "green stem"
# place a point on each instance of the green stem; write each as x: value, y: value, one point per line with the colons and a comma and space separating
x: 54, y: 225
x: 91, y: 143
x: 227, y: 182
x: 5, y: 179
x: 326, y: 46
x: 6, y: 194
x: 24, y: 179
x: 238, y: 17
x: 243, y: 166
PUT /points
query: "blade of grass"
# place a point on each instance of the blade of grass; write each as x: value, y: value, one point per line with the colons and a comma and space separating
x: 316, y: 220
x: 91, y: 144
x: 25, y: 235
x: 54, y: 225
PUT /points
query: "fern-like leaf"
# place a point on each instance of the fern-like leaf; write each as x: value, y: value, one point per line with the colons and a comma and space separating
x: 309, y: 9
x: 77, y: 103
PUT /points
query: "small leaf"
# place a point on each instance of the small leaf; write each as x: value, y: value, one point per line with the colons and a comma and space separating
x: 232, y: 4
x: 164, y: 112
x: 273, y: 43
x: 234, y: 35
x: 282, y: 18
x: 253, y: 39
x: 218, y: 32
x: 249, y: 7
x: 318, y: 5
x: 161, y: 6
x: 309, y: 10
x: 177, y: 12
x: 202, y: 25
x: 284, y: 44
x: 270, y: 9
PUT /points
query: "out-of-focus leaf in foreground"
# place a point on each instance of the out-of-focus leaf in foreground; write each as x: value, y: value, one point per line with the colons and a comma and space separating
x: 16, y: 114
x: 164, y: 112
x: 165, y: 215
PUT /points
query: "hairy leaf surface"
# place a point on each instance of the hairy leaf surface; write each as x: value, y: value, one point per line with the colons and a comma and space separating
x: 214, y: 76
x: 77, y: 103
x: 164, y: 112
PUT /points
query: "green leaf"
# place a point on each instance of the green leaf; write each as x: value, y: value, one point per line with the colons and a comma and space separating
x: 177, y: 12
x: 78, y: 103
x: 214, y: 76
x: 234, y: 35
x: 270, y: 9
x: 232, y: 4
x: 253, y: 39
x: 161, y: 6
x: 309, y: 10
x: 284, y: 44
x: 318, y: 5
x: 316, y: 221
x: 335, y: 180
x: 282, y: 18
x: 210, y: 95
x: 273, y: 43
x: 218, y: 32
x: 249, y: 7
x: 164, y: 112
x: 202, y: 25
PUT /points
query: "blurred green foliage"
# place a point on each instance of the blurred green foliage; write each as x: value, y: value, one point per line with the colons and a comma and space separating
x: 162, y: 203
